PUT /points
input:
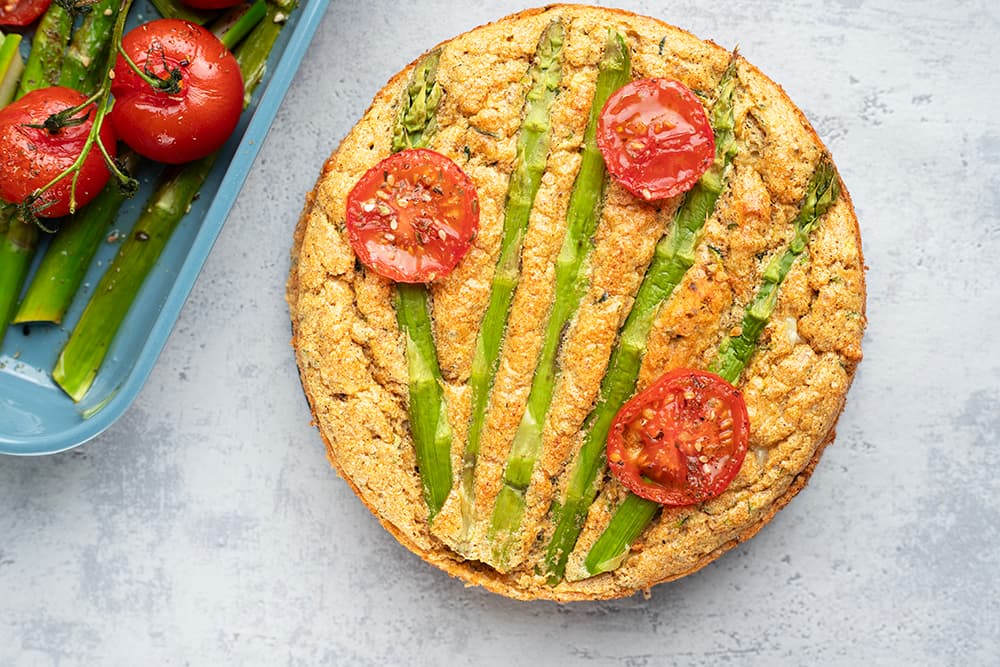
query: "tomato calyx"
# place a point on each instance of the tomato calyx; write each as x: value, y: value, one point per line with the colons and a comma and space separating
x: 682, y: 440
x: 170, y: 82
x: 60, y: 120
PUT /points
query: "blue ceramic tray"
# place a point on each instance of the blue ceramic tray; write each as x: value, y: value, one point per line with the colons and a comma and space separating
x: 36, y: 417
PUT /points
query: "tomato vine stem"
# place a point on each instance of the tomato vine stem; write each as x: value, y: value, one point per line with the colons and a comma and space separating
x: 102, y: 98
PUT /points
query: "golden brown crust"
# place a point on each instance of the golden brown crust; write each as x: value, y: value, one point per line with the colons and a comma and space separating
x: 350, y: 353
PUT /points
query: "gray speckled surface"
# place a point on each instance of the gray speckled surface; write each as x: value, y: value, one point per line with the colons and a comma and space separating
x: 206, y: 528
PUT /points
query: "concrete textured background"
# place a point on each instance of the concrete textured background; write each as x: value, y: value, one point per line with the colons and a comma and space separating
x: 206, y: 528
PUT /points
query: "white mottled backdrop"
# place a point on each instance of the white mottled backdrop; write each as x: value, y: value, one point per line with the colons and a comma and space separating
x: 205, y: 527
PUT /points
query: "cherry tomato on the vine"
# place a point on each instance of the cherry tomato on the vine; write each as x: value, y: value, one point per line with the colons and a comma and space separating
x: 682, y: 440
x: 30, y: 157
x: 655, y: 138
x: 22, y: 12
x: 197, y: 115
x: 412, y: 217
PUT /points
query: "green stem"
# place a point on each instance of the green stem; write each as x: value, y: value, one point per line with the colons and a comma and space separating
x: 735, y: 351
x: 416, y: 121
x: 169, y: 9
x: 11, y: 67
x: 47, y: 48
x: 69, y: 255
x: 87, y: 346
x: 17, y: 247
x: 252, y: 53
x: 634, y: 514
x: 235, y: 24
x: 674, y: 254
x: 429, y: 426
x: 428, y: 414
x: 525, y: 180
x: 21, y: 238
x: 86, y: 57
x: 62, y: 269
x: 582, y: 214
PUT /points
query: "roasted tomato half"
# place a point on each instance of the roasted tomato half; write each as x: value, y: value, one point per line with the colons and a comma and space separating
x: 413, y: 216
x: 682, y: 440
x: 655, y: 138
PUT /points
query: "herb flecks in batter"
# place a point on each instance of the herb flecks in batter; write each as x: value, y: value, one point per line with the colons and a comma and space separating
x: 545, y: 75
x: 428, y: 411
x: 674, y: 255
x: 571, y: 282
x: 635, y: 513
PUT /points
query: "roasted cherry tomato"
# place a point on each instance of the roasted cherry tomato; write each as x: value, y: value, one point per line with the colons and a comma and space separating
x: 211, y: 4
x: 655, y: 138
x: 22, y: 12
x: 198, y: 114
x: 412, y: 217
x: 30, y: 157
x: 682, y: 440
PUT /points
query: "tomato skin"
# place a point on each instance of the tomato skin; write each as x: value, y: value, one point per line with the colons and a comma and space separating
x: 412, y: 217
x: 31, y: 157
x: 211, y: 4
x: 655, y: 138
x: 682, y: 440
x: 21, y: 12
x: 176, y: 128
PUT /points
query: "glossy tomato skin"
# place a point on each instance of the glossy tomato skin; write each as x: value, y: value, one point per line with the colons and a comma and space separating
x: 412, y: 217
x: 31, y: 157
x: 655, y: 138
x: 197, y: 120
x: 21, y: 12
x: 211, y: 4
x: 682, y: 440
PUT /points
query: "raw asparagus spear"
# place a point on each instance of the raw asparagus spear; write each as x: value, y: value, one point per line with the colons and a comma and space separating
x: 169, y: 9
x: 87, y: 55
x: 428, y: 412
x: 73, y: 247
x: 674, y: 254
x: 87, y: 346
x: 529, y: 164
x: 70, y: 252
x: 17, y: 247
x: 635, y: 513
x: 11, y: 67
x: 47, y: 48
x: 235, y: 24
x: 582, y: 215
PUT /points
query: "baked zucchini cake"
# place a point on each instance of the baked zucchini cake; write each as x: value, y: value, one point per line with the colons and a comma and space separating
x: 577, y: 303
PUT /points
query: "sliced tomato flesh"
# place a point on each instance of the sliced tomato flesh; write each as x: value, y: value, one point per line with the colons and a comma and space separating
x: 413, y: 216
x: 655, y: 137
x: 682, y: 440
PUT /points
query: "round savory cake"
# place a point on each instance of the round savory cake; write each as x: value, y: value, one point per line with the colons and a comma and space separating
x: 352, y: 352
